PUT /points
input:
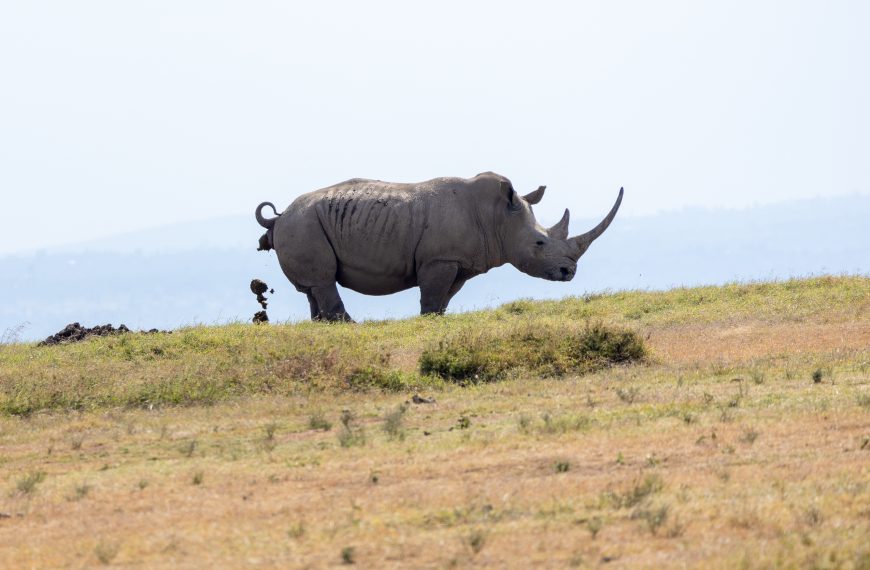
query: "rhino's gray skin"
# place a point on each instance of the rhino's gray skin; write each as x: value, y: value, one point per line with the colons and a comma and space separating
x: 379, y: 237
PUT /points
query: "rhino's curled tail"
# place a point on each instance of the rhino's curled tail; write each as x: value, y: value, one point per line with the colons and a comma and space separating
x: 266, y: 223
x: 266, y: 239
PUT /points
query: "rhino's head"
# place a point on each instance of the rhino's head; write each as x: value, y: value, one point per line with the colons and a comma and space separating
x: 544, y: 252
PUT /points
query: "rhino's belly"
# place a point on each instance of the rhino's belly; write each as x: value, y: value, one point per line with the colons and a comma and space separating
x: 374, y: 283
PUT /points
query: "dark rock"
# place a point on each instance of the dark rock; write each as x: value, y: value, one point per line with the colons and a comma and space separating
x: 421, y: 400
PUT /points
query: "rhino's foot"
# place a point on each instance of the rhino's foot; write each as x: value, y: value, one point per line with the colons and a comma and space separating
x: 334, y: 318
x: 326, y: 305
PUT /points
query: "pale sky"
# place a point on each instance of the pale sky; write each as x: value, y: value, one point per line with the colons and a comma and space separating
x: 116, y: 116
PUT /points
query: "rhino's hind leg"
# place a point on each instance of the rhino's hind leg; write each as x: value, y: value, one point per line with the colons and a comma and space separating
x: 329, y: 304
x: 436, y: 282
x: 315, y: 309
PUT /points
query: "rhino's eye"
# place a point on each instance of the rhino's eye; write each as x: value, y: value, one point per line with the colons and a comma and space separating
x: 539, y: 242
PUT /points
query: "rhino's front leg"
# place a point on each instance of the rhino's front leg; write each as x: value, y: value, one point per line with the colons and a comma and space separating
x: 436, y: 280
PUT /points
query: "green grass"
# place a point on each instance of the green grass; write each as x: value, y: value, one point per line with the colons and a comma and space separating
x: 207, y: 365
x: 717, y: 450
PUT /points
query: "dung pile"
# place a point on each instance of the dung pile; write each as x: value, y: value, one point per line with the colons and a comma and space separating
x: 259, y: 288
x: 74, y: 332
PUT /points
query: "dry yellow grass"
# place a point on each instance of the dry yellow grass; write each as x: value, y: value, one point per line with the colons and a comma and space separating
x: 723, y: 452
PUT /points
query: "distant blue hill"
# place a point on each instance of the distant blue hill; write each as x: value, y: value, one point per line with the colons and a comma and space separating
x: 199, y: 272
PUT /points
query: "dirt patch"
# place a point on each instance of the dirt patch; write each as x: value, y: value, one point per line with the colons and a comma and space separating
x: 74, y: 332
x: 691, y: 344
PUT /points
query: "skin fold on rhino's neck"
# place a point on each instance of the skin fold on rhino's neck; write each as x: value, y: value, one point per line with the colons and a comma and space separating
x: 490, y: 233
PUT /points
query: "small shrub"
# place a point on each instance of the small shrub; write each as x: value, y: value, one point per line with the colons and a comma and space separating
x: 518, y: 307
x: 463, y: 422
x: 564, y: 423
x: 80, y: 492
x: 639, y: 491
x: 27, y: 484
x: 348, y: 554
x: 350, y: 434
x: 318, y: 421
x: 393, y: 422
x: 813, y: 517
x: 594, y: 526
x: 188, y: 448
x: 653, y: 517
x: 524, y: 423
x: 270, y: 429
x: 628, y: 395
x: 198, y: 477
x: 76, y: 441
x: 749, y: 436
x: 817, y: 376
x: 296, y: 530
x: 562, y: 467
x: 142, y: 484
x: 546, y: 350
x: 758, y: 377
x: 372, y: 377
x: 677, y: 529
x: 106, y: 551
x: 476, y: 540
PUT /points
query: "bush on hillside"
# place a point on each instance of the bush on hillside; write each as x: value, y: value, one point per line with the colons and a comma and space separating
x: 548, y: 351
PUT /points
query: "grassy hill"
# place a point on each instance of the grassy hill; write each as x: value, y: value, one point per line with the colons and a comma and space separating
x: 705, y: 427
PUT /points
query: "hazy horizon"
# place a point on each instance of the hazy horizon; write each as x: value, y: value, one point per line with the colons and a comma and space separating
x: 142, y: 239
x: 199, y: 273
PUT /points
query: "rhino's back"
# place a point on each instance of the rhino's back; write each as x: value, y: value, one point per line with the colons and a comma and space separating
x: 374, y: 228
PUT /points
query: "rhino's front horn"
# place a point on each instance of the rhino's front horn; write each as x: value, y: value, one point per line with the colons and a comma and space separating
x: 560, y: 230
x: 585, y: 240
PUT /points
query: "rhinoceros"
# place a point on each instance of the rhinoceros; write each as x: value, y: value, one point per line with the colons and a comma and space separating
x: 378, y: 238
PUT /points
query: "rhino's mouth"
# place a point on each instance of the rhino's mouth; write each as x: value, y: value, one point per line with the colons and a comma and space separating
x: 561, y: 274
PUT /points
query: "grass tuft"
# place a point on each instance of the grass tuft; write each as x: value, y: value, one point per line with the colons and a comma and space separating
x: 635, y: 494
x: 106, y: 551
x: 393, y: 422
x: 27, y: 484
x: 318, y: 422
x: 351, y: 433
x: 654, y: 518
x: 476, y: 540
x: 80, y: 492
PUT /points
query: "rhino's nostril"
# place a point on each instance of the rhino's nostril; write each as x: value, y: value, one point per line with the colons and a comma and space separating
x: 564, y: 271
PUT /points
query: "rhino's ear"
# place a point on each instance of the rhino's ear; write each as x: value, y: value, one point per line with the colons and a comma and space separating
x: 507, y: 190
x: 535, y: 197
